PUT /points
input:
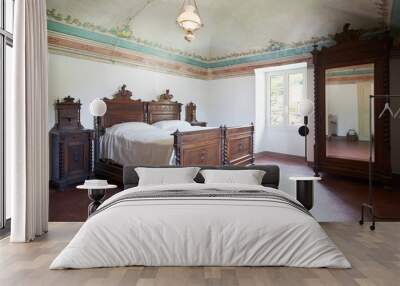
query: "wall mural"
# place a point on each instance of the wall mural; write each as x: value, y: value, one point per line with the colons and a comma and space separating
x: 118, y: 44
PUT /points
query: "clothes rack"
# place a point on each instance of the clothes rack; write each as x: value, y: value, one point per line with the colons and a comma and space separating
x: 369, y: 204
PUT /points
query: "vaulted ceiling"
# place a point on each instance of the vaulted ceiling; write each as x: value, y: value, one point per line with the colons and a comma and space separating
x: 231, y: 27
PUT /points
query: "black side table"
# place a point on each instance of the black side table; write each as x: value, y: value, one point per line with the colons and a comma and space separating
x: 96, y: 194
x: 305, y: 190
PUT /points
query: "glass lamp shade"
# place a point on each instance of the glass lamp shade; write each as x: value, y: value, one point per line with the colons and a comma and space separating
x: 189, y: 20
x: 189, y: 36
x: 306, y: 107
x: 98, y: 107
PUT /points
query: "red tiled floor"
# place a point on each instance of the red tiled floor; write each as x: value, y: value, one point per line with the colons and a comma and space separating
x: 340, y: 147
x: 70, y: 205
x: 336, y: 198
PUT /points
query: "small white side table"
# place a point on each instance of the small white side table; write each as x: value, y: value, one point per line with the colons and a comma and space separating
x: 305, y: 190
x: 96, y: 194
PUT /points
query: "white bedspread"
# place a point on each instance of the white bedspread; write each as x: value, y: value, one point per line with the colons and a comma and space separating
x: 137, y: 143
x: 193, y: 231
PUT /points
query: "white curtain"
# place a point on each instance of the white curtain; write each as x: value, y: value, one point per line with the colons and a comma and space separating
x: 28, y: 150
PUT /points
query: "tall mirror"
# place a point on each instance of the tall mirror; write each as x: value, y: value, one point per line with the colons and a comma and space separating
x: 347, y: 111
x: 346, y: 74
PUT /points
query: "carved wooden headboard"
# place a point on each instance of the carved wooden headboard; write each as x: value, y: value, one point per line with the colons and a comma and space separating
x: 121, y: 108
x: 163, y: 109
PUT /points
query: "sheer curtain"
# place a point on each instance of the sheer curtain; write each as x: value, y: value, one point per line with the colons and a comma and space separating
x: 28, y: 124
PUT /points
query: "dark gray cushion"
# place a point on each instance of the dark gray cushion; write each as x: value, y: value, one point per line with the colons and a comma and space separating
x: 270, y: 179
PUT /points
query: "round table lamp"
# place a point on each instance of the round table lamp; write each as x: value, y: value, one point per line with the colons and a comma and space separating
x: 97, y: 108
x: 306, y: 107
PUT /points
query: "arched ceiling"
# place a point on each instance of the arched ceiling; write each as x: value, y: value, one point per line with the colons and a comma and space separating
x: 231, y: 27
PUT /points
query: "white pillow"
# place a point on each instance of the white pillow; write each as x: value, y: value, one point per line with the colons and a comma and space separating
x: 247, y: 177
x: 129, y: 127
x: 172, y: 125
x: 166, y: 176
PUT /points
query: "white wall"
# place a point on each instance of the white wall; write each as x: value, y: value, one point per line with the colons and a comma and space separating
x: 342, y: 101
x: 395, y: 124
x: 87, y: 80
x: 231, y: 101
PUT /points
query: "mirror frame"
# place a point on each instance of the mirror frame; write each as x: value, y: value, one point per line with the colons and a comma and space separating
x: 354, y: 48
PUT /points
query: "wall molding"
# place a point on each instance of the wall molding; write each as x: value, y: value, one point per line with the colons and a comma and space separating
x: 71, y: 36
x: 91, y: 49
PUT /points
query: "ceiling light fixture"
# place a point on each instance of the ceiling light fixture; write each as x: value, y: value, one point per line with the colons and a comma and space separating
x: 189, y: 19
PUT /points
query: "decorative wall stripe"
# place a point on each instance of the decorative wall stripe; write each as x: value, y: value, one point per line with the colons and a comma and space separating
x: 82, y: 43
x: 132, y: 46
x: 60, y: 43
x: 121, y: 43
x: 351, y: 72
x: 69, y: 35
x: 88, y: 49
x: 349, y: 79
x: 248, y: 69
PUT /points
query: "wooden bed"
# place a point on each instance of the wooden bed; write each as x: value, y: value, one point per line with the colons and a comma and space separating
x: 209, y: 147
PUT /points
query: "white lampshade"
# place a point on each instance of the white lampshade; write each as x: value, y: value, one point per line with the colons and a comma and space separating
x: 98, y: 107
x: 306, y: 107
x: 189, y: 20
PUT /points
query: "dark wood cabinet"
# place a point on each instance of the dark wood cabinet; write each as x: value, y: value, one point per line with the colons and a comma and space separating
x: 353, y: 48
x: 71, y: 146
x: 191, y: 115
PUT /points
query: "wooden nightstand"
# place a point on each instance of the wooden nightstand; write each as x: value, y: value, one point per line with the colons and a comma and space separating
x: 70, y: 146
x: 191, y: 115
x: 198, y: 123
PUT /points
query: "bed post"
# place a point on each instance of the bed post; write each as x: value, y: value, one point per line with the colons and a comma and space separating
x: 252, y: 144
x: 177, y: 147
x: 224, y: 150
x: 239, y: 145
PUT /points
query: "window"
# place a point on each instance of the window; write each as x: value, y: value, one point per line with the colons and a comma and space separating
x: 277, y: 100
x: 295, y: 95
x: 285, y: 90
x: 6, y: 60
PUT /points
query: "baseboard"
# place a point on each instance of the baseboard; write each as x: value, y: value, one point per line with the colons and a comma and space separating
x: 276, y: 154
x: 284, y: 156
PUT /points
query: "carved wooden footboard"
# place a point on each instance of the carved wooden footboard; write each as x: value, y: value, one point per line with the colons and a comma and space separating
x: 215, y: 147
x: 238, y: 145
x: 199, y: 148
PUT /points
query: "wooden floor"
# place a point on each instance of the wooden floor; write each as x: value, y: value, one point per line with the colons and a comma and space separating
x: 375, y: 257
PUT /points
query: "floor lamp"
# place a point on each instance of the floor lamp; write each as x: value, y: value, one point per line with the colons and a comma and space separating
x: 306, y: 107
x: 97, y: 109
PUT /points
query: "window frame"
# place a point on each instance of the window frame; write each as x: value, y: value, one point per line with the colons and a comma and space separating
x: 6, y: 39
x: 285, y: 73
